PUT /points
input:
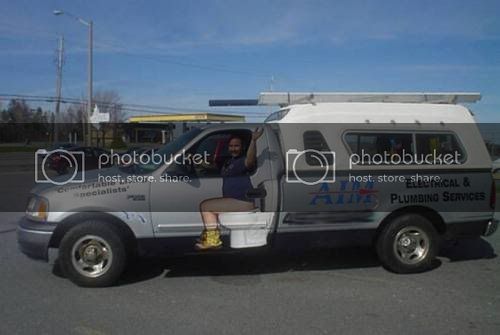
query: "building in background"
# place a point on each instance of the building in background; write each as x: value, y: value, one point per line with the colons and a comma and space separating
x: 162, y: 128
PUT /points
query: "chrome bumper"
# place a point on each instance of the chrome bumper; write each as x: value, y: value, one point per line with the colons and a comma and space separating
x: 34, y: 237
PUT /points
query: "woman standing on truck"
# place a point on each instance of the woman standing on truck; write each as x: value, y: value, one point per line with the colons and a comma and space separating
x: 235, y: 185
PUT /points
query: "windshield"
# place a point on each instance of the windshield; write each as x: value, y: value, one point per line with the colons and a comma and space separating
x: 166, y: 151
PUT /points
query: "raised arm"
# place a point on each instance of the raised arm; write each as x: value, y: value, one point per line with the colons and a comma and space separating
x: 251, y: 158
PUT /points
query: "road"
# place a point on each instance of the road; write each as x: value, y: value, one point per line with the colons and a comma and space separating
x: 316, y: 292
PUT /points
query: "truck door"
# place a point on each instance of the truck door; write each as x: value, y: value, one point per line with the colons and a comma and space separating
x: 175, y: 204
x: 316, y: 196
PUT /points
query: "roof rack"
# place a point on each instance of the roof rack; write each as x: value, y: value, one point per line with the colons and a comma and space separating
x: 291, y: 98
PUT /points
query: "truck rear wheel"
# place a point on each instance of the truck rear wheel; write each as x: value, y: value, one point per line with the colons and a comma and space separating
x: 92, y: 254
x: 408, y: 244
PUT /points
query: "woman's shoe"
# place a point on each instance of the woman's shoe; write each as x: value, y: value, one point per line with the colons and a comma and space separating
x: 203, y: 236
x: 211, y: 241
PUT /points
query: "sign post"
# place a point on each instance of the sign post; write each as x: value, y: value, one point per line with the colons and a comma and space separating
x: 97, y: 118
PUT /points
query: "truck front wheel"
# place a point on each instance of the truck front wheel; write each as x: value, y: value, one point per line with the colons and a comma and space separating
x: 92, y: 254
x: 408, y: 244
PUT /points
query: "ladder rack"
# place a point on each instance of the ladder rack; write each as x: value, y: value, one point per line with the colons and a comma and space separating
x: 291, y: 98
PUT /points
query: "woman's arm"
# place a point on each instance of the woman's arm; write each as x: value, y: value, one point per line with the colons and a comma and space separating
x: 251, y: 158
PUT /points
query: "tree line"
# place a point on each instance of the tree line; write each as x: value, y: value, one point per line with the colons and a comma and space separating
x: 20, y: 122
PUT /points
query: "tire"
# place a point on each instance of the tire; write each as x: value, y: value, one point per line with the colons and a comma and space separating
x: 408, y: 244
x: 93, y: 254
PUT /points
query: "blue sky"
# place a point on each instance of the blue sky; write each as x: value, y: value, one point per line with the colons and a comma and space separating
x: 182, y: 53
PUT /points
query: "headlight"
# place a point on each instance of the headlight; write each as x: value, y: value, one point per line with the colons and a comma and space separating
x: 38, y: 208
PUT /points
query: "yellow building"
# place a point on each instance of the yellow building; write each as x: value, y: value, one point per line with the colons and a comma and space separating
x: 163, y: 128
x: 193, y: 117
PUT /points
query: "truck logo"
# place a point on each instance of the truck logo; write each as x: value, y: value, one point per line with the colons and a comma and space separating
x: 348, y: 193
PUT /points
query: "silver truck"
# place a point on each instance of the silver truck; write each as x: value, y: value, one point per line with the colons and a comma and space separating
x: 401, y: 172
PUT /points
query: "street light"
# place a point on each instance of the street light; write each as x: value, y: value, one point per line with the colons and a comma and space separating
x: 89, y: 24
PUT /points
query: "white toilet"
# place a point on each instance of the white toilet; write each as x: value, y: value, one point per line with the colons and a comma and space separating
x: 248, y: 229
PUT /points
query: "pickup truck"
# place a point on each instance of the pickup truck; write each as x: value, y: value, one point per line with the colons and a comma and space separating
x: 399, y: 175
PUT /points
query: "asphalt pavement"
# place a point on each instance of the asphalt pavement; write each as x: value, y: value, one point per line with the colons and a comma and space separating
x: 315, y: 292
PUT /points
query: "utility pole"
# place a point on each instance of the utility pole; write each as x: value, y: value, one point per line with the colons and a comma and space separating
x: 90, y: 70
x: 60, y: 61
x: 89, y: 24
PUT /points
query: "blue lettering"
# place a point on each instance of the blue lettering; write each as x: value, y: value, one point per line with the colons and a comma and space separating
x: 325, y: 197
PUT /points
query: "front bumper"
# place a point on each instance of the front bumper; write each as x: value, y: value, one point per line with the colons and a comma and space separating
x: 33, y: 238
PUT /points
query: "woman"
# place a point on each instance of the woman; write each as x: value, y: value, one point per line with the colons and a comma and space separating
x: 235, y: 185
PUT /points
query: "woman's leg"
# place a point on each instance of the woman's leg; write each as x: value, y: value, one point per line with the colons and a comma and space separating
x: 210, y: 236
x: 210, y: 210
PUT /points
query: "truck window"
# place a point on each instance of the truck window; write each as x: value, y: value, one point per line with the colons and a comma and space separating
x: 215, y: 148
x: 276, y: 116
x: 314, y: 140
x: 439, y: 144
x: 168, y: 150
x: 379, y: 143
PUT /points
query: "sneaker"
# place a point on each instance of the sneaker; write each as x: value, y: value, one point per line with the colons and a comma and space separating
x: 211, y: 241
x: 203, y: 236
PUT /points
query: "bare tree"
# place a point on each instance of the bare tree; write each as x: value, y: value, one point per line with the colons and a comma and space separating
x: 19, y: 111
x: 74, y: 114
x: 108, y: 101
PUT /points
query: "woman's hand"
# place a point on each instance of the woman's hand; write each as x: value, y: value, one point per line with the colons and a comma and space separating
x: 251, y: 153
x: 257, y: 134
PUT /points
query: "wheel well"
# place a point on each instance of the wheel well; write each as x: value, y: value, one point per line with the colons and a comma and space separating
x: 430, y: 214
x: 73, y: 220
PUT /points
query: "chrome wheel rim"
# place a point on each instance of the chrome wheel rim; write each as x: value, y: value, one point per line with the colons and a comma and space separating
x: 91, y: 256
x: 411, y: 245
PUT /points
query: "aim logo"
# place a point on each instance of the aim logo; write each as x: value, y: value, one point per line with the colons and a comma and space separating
x: 348, y: 193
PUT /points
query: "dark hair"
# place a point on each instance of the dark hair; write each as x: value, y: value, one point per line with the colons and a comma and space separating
x: 235, y: 137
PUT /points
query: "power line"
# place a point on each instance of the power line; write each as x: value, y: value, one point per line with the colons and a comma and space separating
x: 172, y: 60
x: 124, y: 106
x: 161, y: 59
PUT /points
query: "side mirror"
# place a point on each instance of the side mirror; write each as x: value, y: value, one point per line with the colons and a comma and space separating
x: 256, y: 193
